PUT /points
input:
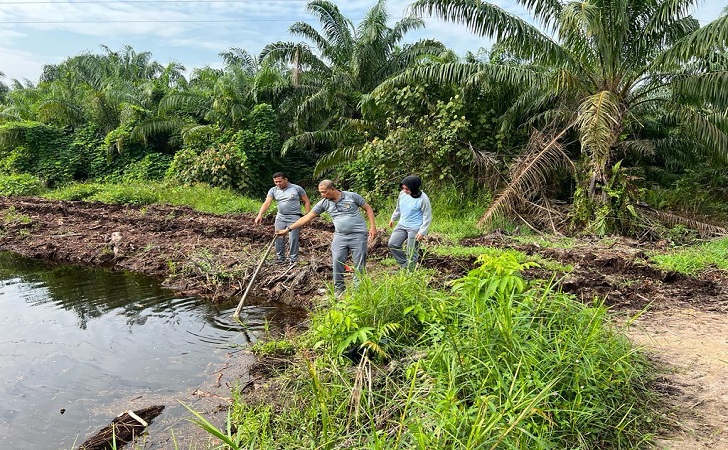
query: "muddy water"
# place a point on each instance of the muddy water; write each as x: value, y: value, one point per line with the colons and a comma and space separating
x: 79, y: 346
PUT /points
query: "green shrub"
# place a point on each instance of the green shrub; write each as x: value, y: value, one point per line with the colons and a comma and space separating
x: 701, y: 191
x: 38, y: 149
x: 150, y: 168
x: 274, y: 348
x: 75, y: 191
x: 259, y: 141
x: 222, y: 165
x: 497, y: 362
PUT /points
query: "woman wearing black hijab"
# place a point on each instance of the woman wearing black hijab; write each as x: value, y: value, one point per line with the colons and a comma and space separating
x: 414, y: 213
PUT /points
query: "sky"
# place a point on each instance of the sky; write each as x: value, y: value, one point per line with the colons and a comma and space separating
x: 34, y: 33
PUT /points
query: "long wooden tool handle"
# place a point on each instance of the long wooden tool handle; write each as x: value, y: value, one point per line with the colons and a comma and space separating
x: 236, y: 314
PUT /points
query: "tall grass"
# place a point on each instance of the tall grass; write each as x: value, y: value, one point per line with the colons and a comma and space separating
x: 199, y: 196
x: 492, y: 361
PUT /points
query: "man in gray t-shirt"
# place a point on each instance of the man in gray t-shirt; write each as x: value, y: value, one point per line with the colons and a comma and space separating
x: 288, y: 197
x: 350, y: 228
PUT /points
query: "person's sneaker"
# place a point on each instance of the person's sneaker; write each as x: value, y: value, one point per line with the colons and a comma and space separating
x: 280, y: 261
x: 338, y: 294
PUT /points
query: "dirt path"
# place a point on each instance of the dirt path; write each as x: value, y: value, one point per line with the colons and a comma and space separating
x: 685, y: 327
x: 693, y: 346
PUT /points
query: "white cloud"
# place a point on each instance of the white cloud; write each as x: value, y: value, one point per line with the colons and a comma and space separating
x: 20, y: 64
x: 192, y: 33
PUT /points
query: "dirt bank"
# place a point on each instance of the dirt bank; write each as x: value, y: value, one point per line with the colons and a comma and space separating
x: 196, y: 253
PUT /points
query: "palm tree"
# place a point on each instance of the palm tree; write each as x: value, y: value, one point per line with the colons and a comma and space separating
x: 218, y: 99
x: 102, y: 87
x: 605, y: 73
x: 3, y: 88
x: 341, y: 64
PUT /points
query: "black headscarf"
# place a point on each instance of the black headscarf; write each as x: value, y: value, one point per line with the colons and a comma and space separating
x: 413, y: 182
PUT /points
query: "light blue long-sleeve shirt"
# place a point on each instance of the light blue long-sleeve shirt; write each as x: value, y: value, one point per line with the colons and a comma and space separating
x: 413, y: 213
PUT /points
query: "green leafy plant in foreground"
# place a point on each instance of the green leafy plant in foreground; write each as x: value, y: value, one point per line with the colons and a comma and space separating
x: 227, y: 437
x: 380, y: 316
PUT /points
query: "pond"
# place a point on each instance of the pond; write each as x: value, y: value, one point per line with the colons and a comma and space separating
x: 79, y: 346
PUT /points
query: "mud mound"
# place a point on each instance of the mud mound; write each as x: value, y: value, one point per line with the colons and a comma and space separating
x: 193, y: 252
x: 214, y: 256
x: 616, y: 270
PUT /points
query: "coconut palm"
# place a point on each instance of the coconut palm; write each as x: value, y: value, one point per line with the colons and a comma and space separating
x: 606, y: 73
x: 334, y: 68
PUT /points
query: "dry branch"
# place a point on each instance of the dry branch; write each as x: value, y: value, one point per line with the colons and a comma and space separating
x: 122, y: 430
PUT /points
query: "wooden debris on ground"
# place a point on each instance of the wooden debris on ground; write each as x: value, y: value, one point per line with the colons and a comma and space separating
x: 122, y: 430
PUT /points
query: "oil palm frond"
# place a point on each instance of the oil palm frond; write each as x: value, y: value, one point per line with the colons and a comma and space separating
x: 545, y: 155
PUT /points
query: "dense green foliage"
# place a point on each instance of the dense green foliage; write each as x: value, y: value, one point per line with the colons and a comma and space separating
x: 37, y: 149
x: 601, y: 81
x: 615, y: 105
x: 22, y: 184
x: 493, y: 362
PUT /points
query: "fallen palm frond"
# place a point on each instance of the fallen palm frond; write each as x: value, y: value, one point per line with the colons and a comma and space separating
x: 672, y: 219
x: 546, y: 215
x: 544, y: 156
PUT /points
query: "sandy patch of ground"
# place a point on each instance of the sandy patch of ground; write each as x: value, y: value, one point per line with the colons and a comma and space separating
x: 692, y: 345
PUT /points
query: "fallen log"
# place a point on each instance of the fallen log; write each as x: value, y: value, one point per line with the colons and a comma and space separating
x: 122, y: 430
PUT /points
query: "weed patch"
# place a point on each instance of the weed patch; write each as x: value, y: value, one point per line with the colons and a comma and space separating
x: 694, y: 259
x: 492, y: 361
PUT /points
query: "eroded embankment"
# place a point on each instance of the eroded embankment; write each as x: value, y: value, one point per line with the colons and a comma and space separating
x: 214, y: 256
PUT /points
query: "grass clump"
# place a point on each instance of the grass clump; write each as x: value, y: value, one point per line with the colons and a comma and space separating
x: 694, y: 259
x: 200, y: 197
x: 274, y: 348
x: 492, y: 361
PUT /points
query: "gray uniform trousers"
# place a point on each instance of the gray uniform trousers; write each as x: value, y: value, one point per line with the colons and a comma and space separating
x: 281, y: 223
x: 399, y: 235
x: 356, y: 243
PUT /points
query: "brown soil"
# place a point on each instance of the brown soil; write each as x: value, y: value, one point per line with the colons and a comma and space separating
x: 682, y: 323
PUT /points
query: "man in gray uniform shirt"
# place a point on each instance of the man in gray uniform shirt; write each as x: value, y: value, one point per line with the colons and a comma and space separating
x: 350, y: 229
x: 289, y: 197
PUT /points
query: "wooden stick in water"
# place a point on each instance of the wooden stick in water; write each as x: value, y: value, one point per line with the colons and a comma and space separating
x: 236, y: 314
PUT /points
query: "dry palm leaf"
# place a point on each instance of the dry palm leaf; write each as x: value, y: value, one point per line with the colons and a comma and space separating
x: 544, y: 156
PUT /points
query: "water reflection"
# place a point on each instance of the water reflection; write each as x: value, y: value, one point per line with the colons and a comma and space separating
x: 79, y: 340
